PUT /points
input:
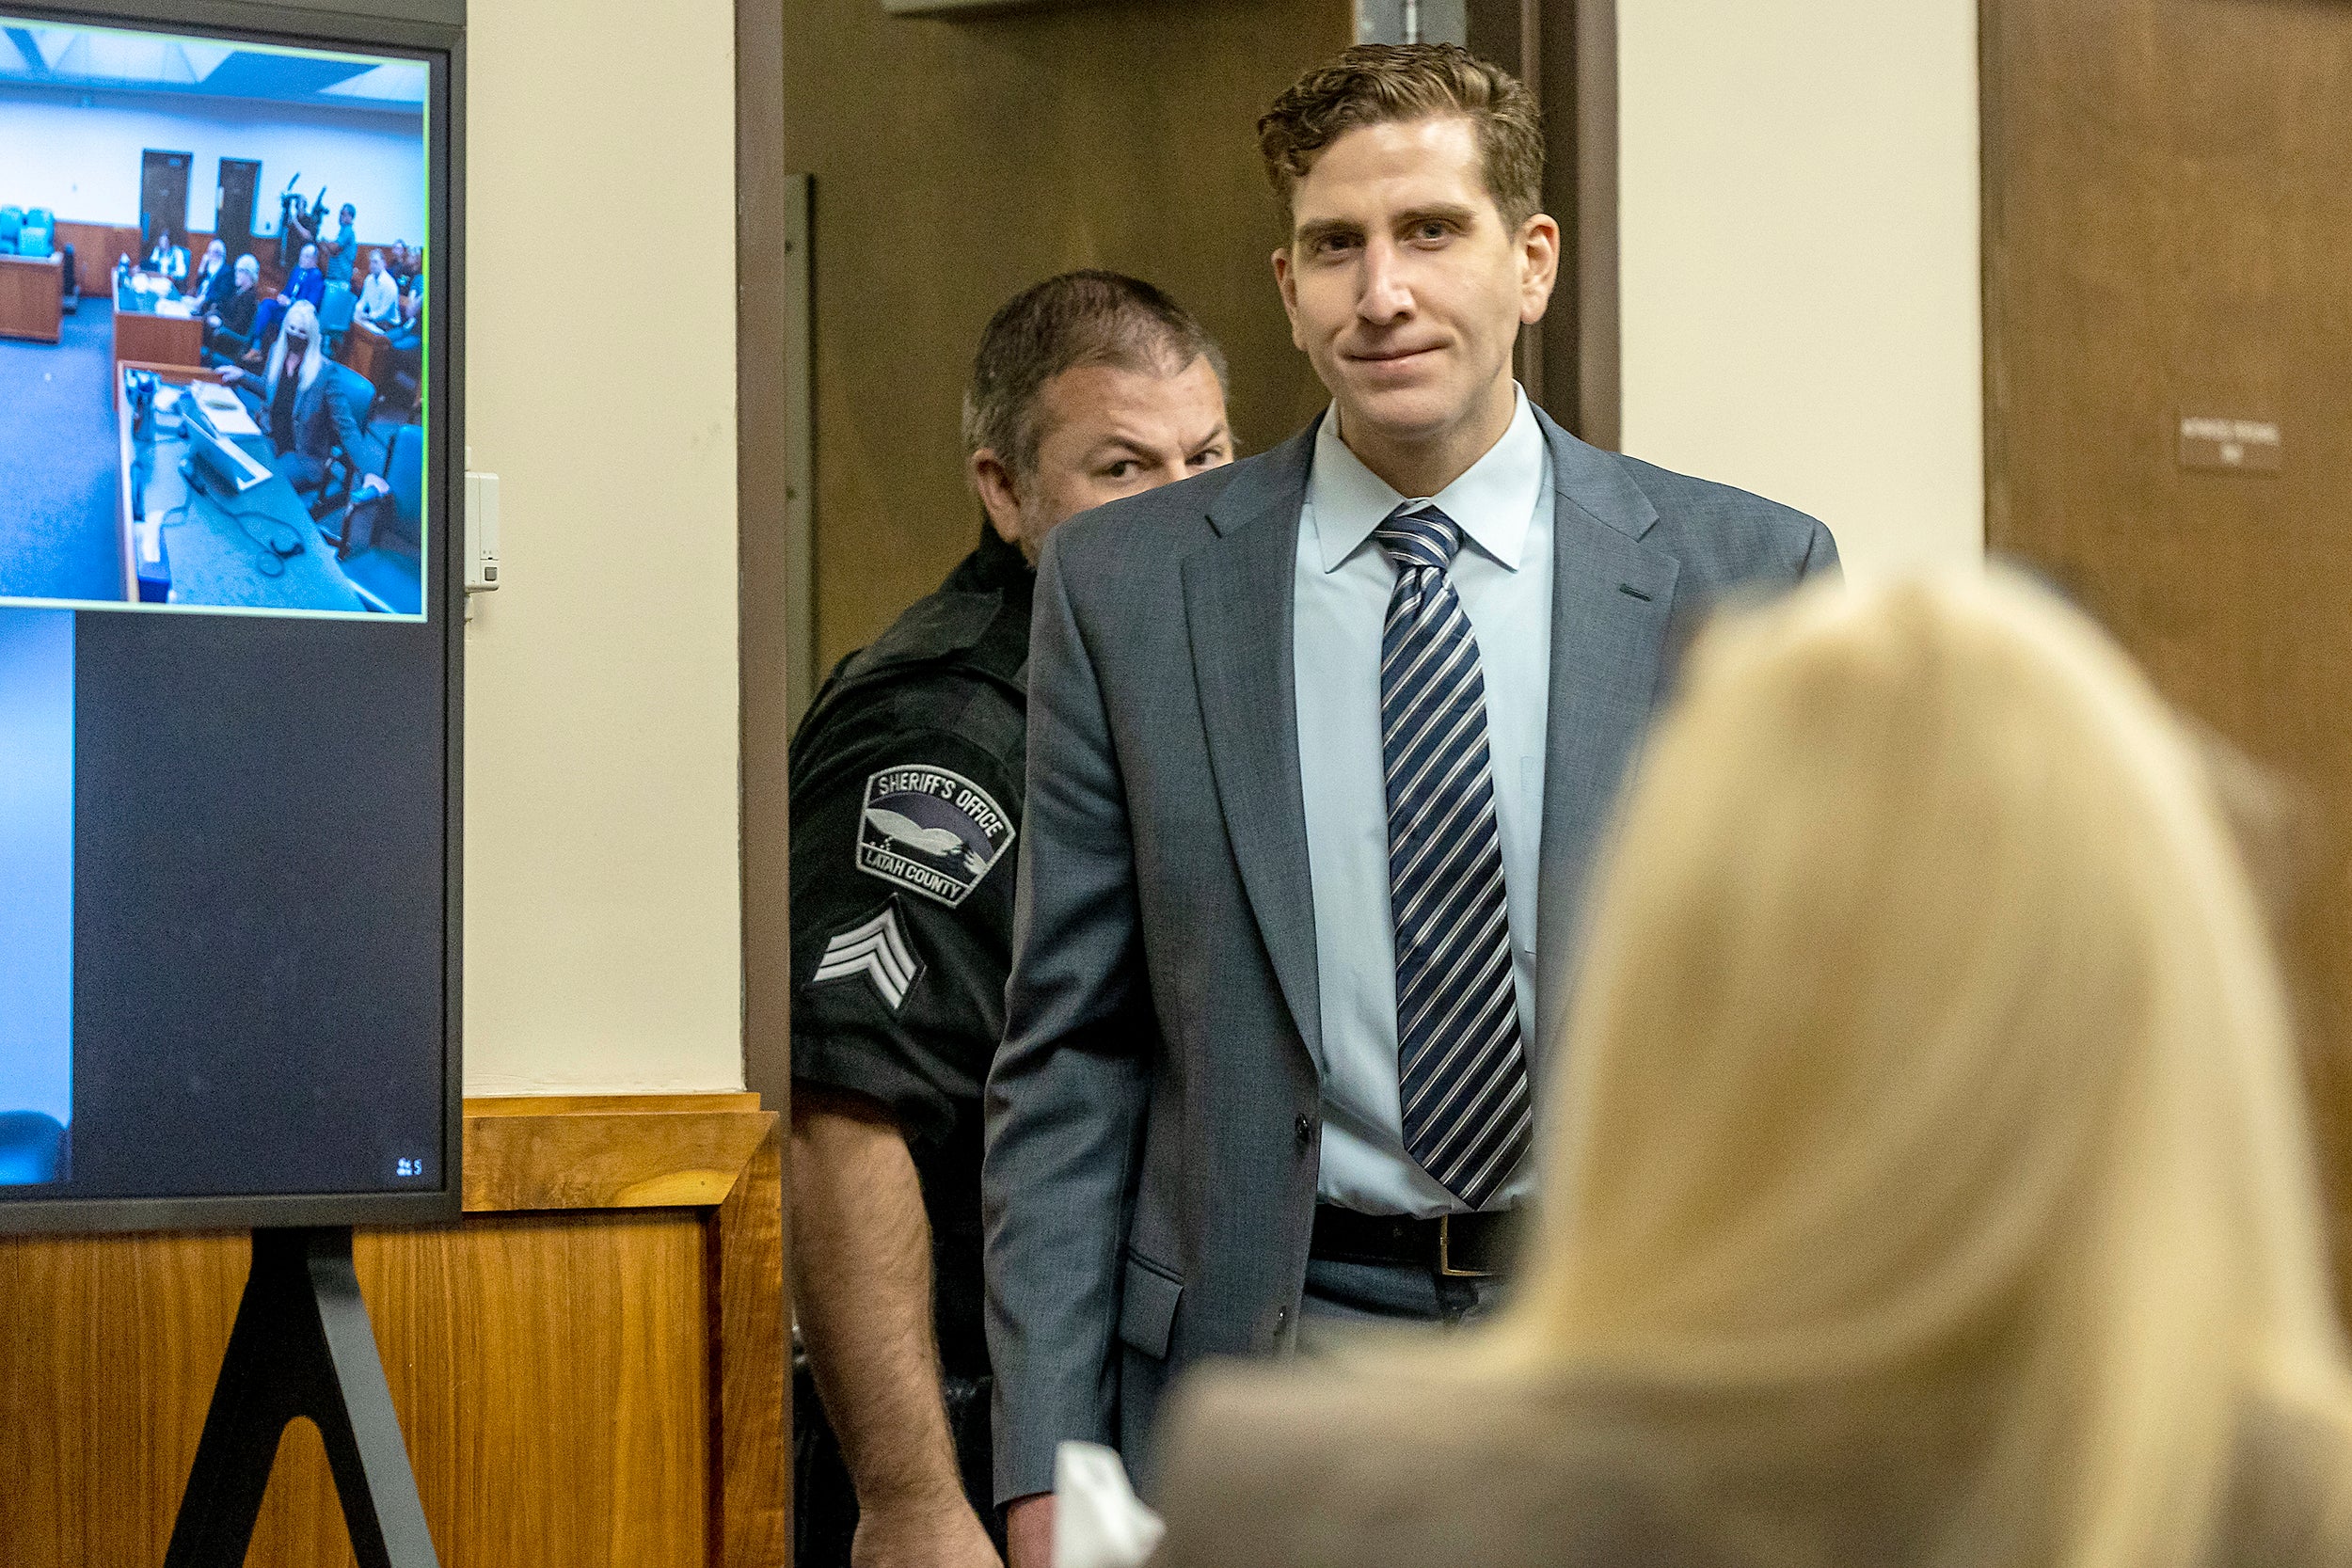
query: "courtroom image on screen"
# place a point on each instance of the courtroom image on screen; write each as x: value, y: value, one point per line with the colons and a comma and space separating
x: 213, y: 319
x: 36, y: 896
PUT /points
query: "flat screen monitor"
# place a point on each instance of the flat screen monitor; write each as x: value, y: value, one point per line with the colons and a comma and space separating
x: 231, y: 615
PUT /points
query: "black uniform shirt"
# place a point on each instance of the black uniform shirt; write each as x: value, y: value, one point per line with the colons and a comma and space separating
x: 906, y: 799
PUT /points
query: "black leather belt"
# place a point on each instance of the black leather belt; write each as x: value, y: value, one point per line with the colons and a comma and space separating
x: 1457, y: 1246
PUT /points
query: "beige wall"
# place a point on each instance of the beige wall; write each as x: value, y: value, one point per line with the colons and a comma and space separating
x: 601, y: 931
x: 1800, y: 232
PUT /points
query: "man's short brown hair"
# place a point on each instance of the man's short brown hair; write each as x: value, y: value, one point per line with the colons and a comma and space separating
x: 1375, y: 83
x: 1079, y: 318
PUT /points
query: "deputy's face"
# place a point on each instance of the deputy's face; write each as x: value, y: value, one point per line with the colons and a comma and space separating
x: 1106, y: 432
x: 1403, y: 287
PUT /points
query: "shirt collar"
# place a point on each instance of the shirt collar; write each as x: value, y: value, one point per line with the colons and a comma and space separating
x: 1493, y: 502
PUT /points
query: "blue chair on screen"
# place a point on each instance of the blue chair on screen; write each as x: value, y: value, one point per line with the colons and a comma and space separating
x: 32, y: 1148
x: 388, y: 569
x: 32, y: 242
x: 335, y: 313
x: 12, y: 222
x: 40, y: 217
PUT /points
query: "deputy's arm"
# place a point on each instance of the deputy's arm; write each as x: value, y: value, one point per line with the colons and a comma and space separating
x: 862, y: 1283
x: 1068, y: 1091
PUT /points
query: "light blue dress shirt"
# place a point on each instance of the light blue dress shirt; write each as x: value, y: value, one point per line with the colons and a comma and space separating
x: 1342, y: 585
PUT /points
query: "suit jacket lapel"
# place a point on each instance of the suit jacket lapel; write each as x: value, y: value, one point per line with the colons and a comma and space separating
x: 1238, y: 603
x: 1612, y: 597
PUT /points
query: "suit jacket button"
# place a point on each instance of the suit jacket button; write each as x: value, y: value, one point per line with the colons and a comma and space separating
x: 1305, y: 1130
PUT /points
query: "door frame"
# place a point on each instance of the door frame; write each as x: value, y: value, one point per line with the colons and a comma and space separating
x: 187, y: 160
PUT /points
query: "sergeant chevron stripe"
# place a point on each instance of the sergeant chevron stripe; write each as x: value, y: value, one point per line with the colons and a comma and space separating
x: 878, y: 950
x: 1460, y: 1069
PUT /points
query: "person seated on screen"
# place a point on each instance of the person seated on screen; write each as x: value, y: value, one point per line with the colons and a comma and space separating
x: 164, y: 257
x: 306, y: 284
x: 309, y: 407
x: 402, y: 264
x: 1932, y: 1182
x: 379, y: 297
x: 231, y: 334
x: 343, y: 249
x: 406, y: 334
x: 214, y: 279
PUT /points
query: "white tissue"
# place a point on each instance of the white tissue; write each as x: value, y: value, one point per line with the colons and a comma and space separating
x: 1098, y: 1520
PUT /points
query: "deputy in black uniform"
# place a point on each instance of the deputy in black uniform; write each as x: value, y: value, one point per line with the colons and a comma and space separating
x: 907, y: 783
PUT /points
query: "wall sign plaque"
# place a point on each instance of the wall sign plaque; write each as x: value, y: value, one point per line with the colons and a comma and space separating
x: 2231, y: 446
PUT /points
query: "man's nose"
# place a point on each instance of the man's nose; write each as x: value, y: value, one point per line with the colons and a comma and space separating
x: 1382, y: 296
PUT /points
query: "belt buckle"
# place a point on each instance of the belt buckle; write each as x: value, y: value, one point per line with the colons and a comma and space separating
x: 1445, y: 1253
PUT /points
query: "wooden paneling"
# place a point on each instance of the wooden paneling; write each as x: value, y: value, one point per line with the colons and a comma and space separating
x: 32, y: 297
x: 2166, y: 227
x: 95, y: 247
x: 369, y: 352
x: 600, y: 1381
x: 156, y: 339
x: 609, y: 1155
x: 1006, y: 148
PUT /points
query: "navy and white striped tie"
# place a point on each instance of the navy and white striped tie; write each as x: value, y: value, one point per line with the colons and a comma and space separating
x: 1460, y: 1069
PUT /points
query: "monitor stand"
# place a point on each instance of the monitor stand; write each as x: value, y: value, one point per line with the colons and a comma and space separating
x: 301, y: 1346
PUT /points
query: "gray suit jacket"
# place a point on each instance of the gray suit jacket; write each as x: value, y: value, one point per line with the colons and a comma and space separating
x: 1152, y: 1115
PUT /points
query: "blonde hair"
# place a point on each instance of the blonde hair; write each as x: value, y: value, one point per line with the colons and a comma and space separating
x: 302, y: 314
x: 1927, y: 1038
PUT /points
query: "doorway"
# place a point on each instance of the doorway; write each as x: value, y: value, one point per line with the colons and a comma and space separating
x: 232, y: 203
x: 2167, y: 367
x: 162, y: 196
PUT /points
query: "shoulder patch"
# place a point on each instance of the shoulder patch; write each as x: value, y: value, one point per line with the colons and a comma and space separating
x: 876, y: 949
x: 931, y: 831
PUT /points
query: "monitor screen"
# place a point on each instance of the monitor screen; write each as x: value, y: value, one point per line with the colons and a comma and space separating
x: 227, y: 663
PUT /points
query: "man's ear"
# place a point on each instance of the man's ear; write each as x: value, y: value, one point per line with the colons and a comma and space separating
x: 1539, y: 265
x: 1287, y: 284
x: 999, y: 498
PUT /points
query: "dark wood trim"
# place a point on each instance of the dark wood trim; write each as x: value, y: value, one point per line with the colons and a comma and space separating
x: 752, y: 1487
x: 762, y: 473
x: 750, y: 1478
x: 1582, y: 344
x: 1565, y: 51
x: 1992, y: 262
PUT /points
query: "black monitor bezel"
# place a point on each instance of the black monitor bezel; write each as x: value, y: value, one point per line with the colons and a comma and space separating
x: 433, y: 30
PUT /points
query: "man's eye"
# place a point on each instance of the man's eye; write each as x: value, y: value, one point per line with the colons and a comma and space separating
x: 1331, y: 244
x: 1432, y: 230
x: 1204, y: 459
x: 1119, y: 469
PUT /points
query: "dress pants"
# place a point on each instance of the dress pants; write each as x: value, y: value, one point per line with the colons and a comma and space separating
x: 1344, y: 1299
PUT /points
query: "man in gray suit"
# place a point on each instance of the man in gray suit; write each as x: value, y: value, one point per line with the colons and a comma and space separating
x: 1319, y: 747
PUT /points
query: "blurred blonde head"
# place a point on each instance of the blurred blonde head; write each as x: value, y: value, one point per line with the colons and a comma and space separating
x: 1927, y: 1039
x: 301, y: 322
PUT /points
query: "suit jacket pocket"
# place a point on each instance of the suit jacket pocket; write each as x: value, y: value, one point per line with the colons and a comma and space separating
x: 1147, y: 1311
